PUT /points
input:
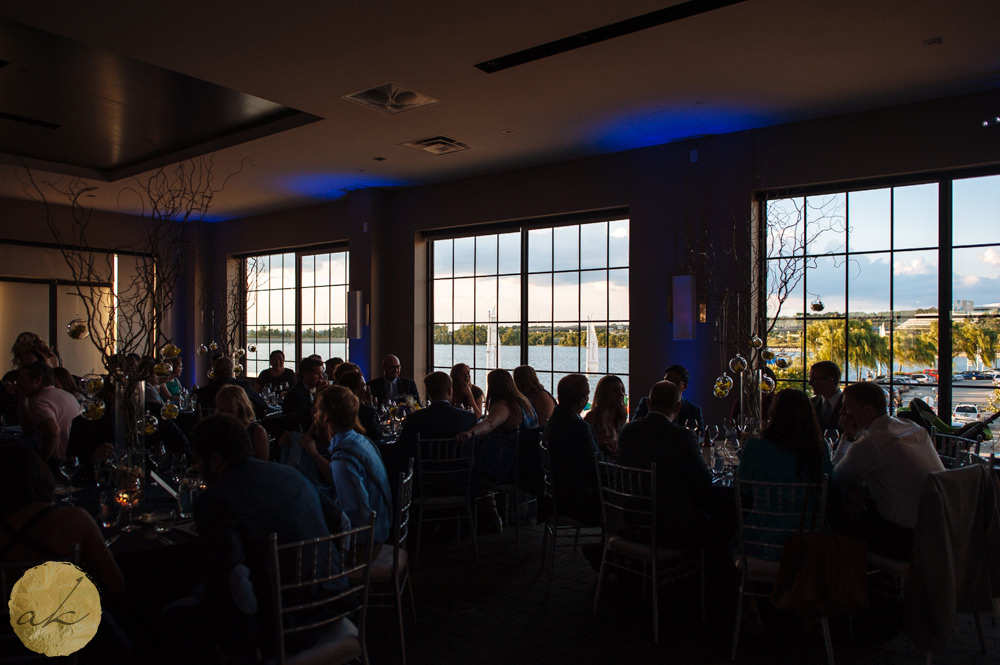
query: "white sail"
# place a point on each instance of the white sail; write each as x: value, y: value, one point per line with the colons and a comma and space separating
x: 492, y: 343
x: 592, y: 352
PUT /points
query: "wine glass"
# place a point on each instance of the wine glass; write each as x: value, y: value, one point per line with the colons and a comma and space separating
x: 831, y: 436
x: 160, y: 457
x: 104, y: 474
x: 711, y: 433
x: 178, y: 468
x: 68, y: 468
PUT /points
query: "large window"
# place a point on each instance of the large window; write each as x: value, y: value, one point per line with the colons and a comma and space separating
x: 555, y: 298
x: 859, y: 277
x: 296, y: 302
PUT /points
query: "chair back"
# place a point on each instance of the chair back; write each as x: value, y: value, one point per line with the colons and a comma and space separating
x: 957, y: 451
x: 443, y: 462
x: 628, y: 499
x: 404, y: 497
x: 311, y: 585
x: 548, y: 486
x: 769, y: 513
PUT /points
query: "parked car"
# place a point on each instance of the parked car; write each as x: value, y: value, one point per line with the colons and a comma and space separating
x: 977, y: 376
x: 966, y: 413
x: 920, y: 378
x: 996, y: 380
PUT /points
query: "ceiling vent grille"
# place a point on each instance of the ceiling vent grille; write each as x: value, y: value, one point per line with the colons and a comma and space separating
x: 391, y: 98
x: 438, y: 145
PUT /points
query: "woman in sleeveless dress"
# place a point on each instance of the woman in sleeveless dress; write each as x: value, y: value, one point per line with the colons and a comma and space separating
x: 507, y: 412
x: 541, y: 399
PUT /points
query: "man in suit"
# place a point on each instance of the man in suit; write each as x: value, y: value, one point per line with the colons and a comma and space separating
x: 690, y: 413
x: 440, y: 420
x: 391, y: 385
x: 297, y: 406
x: 683, y: 482
x: 572, y: 446
x: 824, y: 377
x: 223, y: 373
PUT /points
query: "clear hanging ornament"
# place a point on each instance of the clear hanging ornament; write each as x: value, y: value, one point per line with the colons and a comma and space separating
x: 738, y: 363
x: 77, y: 328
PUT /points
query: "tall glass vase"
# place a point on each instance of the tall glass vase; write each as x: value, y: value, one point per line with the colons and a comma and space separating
x: 129, y: 410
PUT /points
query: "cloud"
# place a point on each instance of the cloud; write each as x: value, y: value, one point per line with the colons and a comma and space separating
x: 620, y: 232
x: 970, y: 280
x: 917, y: 266
x: 991, y: 257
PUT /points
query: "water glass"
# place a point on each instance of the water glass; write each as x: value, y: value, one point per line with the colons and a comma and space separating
x: 164, y: 520
x: 110, y: 509
x: 68, y: 468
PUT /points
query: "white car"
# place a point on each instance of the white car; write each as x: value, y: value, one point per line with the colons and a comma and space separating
x: 920, y: 378
x: 966, y: 413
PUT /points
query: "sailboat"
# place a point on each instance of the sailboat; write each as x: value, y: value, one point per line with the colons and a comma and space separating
x: 492, y: 343
x: 592, y: 352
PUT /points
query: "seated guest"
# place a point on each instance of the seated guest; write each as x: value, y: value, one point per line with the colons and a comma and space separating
x: 608, y: 413
x: 824, y: 379
x: 440, y: 420
x: 507, y: 412
x: 892, y: 458
x: 541, y: 399
x: 690, y: 413
x: 790, y: 450
x: 344, y: 368
x: 277, y: 376
x: 223, y: 375
x: 33, y: 527
x: 354, y: 382
x: 298, y: 402
x: 354, y: 467
x: 391, y: 386
x: 46, y: 413
x: 246, y: 500
x: 464, y: 394
x: 170, y: 389
x: 232, y: 401
x: 572, y: 447
x: 683, y: 482
x: 331, y: 367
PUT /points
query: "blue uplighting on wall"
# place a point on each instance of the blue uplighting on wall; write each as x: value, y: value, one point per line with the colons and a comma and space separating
x: 642, y: 129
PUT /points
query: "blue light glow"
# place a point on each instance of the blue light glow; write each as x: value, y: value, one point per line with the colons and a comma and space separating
x: 332, y: 186
x: 644, y: 128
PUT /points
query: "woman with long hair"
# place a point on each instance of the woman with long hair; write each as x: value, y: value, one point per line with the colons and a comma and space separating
x: 367, y: 416
x: 608, y: 413
x: 232, y: 399
x: 464, y: 394
x: 541, y: 399
x: 507, y: 411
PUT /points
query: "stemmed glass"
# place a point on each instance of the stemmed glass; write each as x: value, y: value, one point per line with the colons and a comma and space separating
x: 160, y: 458
x: 68, y: 468
x: 178, y: 468
x: 831, y: 436
x: 128, y: 495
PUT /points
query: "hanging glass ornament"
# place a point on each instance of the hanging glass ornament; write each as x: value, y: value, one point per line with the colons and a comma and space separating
x: 170, y: 411
x: 767, y: 354
x: 252, y: 348
x: 817, y: 305
x: 170, y: 351
x: 766, y: 384
x: 77, y: 328
x: 238, y: 369
x: 725, y: 381
x: 783, y: 361
x: 213, y: 346
x: 150, y: 424
x: 93, y: 408
x: 162, y: 370
x: 240, y: 353
x: 202, y: 350
x: 756, y: 342
x: 738, y: 363
x: 211, y: 374
x: 92, y: 383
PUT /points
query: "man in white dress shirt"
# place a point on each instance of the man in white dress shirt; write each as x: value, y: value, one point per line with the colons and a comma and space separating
x: 892, y: 458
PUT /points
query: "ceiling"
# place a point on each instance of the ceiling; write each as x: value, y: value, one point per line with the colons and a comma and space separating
x: 278, y: 74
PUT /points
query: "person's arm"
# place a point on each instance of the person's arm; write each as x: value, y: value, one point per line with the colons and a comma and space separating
x: 497, y: 416
x: 544, y: 406
x: 463, y: 397
x: 590, y: 442
x: 47, y: 433
x: 332, y: 513
x: 308, y: 445
x: 856, y: 464
x: 261, y: 444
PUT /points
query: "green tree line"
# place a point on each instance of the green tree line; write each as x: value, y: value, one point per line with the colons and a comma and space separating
x: 511, y: 336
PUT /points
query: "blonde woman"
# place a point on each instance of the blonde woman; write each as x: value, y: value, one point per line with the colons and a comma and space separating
x: 232, y: 400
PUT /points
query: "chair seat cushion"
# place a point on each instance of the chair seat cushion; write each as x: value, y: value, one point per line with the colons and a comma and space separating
x: 894, y: 566
x: 442, y: 502
x: 639, y: 550
x: 339, y: 644
x: 381, y: 566
x: 759, y: 569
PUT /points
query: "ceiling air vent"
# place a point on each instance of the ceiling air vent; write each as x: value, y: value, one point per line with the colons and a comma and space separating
x: 391, y: 98
x: 438, y: 145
